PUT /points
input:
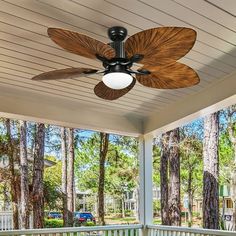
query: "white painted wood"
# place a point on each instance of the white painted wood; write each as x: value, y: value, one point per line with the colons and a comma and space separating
x: 230, y: 7
x: 163, y: 14
x: 173, y: 230
x: 27, y: 107
x: 212, y: 12
x: 6, y: 221
x: 72, y: 230
x: 26, y: 50
x: 145, y: 181
x: 215, y: 98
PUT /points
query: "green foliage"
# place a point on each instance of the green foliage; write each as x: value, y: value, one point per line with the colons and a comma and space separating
x: 52, y: 185
x: 53, y: 223
x: 156, y: 206
x: 226, y: 157
x: 121, y: 165
x: 191, y: 164
x: 156, y: 162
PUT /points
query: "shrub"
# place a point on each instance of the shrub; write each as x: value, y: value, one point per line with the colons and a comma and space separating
x: 89, y: 223
x: 53, y: 223
x: 128, y: 213
x: 196, y: 214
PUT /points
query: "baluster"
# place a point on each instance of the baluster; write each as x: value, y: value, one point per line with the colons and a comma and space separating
x: 131, y: 232
x: 152, y: 232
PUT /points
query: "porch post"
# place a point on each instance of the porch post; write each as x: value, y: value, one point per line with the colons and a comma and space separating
x: 145, y: 181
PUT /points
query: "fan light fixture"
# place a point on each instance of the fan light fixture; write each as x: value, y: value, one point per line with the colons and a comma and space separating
x: 117, y: 80
x: 157, y: 50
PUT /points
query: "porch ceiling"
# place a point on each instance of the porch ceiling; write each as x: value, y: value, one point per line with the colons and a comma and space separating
x: 25, y: 51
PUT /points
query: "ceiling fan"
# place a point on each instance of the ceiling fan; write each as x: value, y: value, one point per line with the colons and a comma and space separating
x: 157, y: 49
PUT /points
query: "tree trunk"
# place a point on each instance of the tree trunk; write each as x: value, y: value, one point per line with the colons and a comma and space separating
x: 190, y: 199
x: 174, y: 178
x: 211, y: 172
x: 6, y: 199
x: 13, y: 177
x: 70, y: 178
x: 24, y: 177
x: 104, y: 141
x: 123, y: 205
x: 38, y: 169
x: 64, y: 175
x: 164, y: 179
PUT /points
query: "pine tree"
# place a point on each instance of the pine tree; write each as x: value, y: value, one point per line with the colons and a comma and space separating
x: 211, y: 172
x: 164, y: 179
x: 24, y: 177
x: 38, y: 169
x: 64, y: 175
x: 70, y: 177
x: 14, y: 180
x: 104, y: 141
x: 174, y: 178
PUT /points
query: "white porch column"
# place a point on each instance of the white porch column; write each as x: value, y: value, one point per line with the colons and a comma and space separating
x: 145, y: 180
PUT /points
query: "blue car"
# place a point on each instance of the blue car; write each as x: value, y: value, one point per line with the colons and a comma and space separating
x: 83, y: 217
x: 54, y: 215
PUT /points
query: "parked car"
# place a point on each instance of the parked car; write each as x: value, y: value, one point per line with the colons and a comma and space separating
x: 83, y: 217
x: 54, y: 215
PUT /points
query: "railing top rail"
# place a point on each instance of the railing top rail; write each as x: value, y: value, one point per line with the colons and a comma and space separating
x: 193, y: 230
x: 71, y: 229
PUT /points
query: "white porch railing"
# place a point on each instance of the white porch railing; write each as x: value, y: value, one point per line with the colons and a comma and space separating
x: 6, y: 221
x: 161, y: 230
x: 113, y: 230
x: 120, y: 230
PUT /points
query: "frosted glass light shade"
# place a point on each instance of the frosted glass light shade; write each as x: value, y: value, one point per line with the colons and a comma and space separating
x: 117, y: 80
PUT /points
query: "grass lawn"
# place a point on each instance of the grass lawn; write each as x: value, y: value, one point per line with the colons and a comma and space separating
x: 118, y: 220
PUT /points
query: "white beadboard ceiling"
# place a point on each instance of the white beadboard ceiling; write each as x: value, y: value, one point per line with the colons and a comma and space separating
x: 26, y: 50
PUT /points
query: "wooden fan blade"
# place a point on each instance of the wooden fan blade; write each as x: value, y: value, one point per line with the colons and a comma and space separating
x: 80, y: 44
x: 171, y: 76
x: 161, y: 46
x: 102, y: 91
x: 67, y: 73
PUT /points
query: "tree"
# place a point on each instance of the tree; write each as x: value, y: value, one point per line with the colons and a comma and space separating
x: 121, y: 166
x: 165, y: 219
x: 174, y: 178
x: 24, y: 177
x: 232, y: 127
x: 52, y: 185
x: 64, y: 174
x: 232, y: 137
x: 104, y: 141
x: 14, y: 178
x: 211, y: 172
x: 70, y: 177
x: 191, y: 166
x: 38, y: 169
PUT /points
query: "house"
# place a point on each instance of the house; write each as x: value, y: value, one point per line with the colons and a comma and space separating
x: 85, y: 201
x: 4, y: 162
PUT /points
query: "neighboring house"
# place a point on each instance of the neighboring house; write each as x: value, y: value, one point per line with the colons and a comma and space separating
x: 131, y: 199
x: 4, y: 163
x: 84, y: 199
x: 85, y: 202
